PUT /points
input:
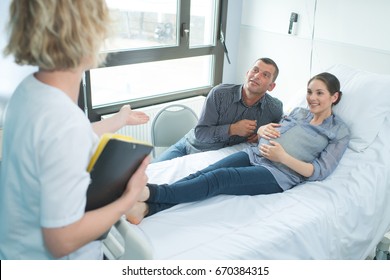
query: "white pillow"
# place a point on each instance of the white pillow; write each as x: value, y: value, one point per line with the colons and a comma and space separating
x: 364, y: 105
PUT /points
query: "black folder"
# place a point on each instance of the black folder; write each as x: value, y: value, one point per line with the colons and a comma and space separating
x: 116, y: 158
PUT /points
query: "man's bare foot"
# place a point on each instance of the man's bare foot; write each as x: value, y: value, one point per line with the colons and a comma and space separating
x: 137, y: 213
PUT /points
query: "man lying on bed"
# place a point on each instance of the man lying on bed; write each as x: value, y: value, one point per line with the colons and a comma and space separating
x: 307, y: 145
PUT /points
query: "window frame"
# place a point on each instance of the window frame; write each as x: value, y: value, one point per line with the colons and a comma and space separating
x: 183, y: 50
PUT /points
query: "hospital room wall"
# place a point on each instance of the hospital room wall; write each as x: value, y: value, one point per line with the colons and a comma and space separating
x: 350, y: 32
x: 12, y: 73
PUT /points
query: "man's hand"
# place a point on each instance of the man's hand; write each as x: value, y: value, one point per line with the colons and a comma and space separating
x: 243, y: 128
x: 254, y: 138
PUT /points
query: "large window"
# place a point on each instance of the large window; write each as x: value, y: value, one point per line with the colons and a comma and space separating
x: 162, y: 50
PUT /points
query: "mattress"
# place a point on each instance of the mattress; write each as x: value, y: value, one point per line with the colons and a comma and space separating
x: 342, y: 217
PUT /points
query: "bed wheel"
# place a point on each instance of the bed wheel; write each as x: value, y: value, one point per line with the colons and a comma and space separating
x: 382, y: 250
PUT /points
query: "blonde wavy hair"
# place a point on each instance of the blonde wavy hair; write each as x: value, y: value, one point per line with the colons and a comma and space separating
x: 57, y: 34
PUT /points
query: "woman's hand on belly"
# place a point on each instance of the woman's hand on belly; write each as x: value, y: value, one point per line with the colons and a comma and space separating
x: 274, y: 151
x: 269, y: 131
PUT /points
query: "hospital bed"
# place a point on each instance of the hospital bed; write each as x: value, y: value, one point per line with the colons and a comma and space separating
x: 342, y: 217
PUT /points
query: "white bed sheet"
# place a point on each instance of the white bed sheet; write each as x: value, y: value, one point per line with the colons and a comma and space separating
x: 342, y: 217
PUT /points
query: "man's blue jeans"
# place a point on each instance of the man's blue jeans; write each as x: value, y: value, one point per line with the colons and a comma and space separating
x: 174, y: 151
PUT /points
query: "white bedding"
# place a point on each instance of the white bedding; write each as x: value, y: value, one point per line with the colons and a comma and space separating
x: 343, y: 217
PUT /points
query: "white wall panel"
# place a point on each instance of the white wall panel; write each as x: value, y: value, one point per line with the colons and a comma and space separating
x: 350, y: 32
x: 327, y: 53
x: 356, y: 22
x: 274, y: 15
x: 291, y: 54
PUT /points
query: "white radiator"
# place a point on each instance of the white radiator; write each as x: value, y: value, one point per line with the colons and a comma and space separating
x: 142, y: 132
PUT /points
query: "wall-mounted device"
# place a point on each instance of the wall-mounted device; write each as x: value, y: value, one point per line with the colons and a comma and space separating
x: 292, y: 28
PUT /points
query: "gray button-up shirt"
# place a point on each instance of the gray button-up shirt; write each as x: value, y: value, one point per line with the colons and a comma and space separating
x: 223, y: 107
x: 322, y: 145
